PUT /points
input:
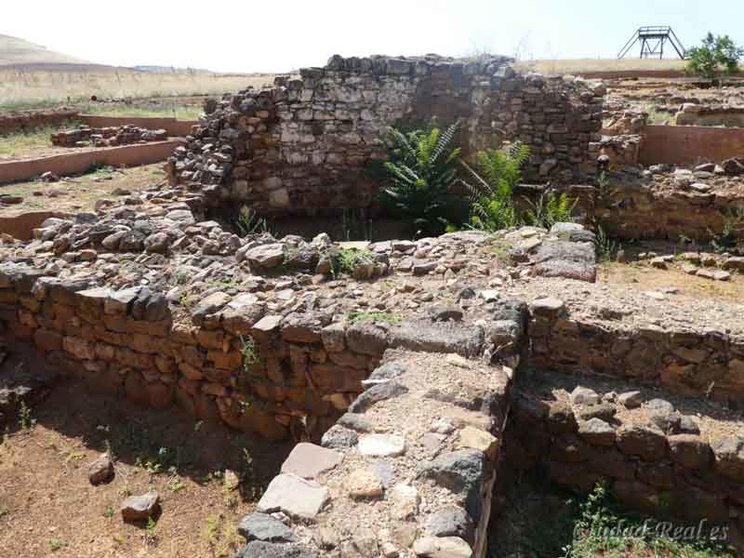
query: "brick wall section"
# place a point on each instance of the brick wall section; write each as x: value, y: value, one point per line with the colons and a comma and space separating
x: 689, y: 362
x: 306, y: 143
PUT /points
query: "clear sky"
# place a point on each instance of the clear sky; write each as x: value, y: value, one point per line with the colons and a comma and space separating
x: 280, y: 35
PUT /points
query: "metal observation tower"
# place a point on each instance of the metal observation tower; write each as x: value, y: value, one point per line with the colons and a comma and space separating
x: 652, y: 40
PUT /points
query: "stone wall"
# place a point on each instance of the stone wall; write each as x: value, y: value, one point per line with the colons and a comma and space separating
x: 709, y: 363
x: 229, y: 359
x: 409, y: 471
x: 85, y: 136
x: 306, y: 144
x: 649, y: 454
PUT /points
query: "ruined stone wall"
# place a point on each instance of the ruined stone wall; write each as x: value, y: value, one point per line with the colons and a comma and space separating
x: 661, y: 464
x: 409, y: 471
x: 686, y: 361
x: 229, y: 359
x: 306, y: 144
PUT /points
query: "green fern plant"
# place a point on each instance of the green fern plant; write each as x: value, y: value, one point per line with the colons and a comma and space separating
x: 421, y: 175
x: 491, y: 186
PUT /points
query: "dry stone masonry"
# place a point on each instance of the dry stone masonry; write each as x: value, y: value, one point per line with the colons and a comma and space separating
x: 85, y: 136
x: 306, y: 144
x: 655, y: 451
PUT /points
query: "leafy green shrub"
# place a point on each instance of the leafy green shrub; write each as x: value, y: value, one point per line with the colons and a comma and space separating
x: 549, y: 209
x: 717, y: 55
x: 491, y: 187
x: 421, y: 175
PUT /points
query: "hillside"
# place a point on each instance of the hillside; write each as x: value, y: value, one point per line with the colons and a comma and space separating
x: 19, y: 53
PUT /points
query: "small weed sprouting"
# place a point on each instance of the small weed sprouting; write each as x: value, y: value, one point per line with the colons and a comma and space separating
x: 150, y: 535
x: 373, y: 316
x: 108, y: 513
x: 175, y: 483
x: 221, y: 536
x: 56, y: 544
x: 185, y: 300
x: 607, y: 248
x: 249, y: 350
x: 25, y: 419
x: 550, y: 208
x: 179, y: 277
x: 164, y: 460
x: 248, y: 478
x: 249, y: 223
x: 733, y: 228
x: 346, y: 259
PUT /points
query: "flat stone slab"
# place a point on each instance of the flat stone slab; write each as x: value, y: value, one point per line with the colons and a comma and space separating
x: 438, y: 337
x: 382, y: 445
x: 309, y: 461
x: 572, y: 260
x: 294, y: 496
x: 263, y: 527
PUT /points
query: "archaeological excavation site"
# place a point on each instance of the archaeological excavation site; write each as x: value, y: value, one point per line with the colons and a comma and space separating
x: 388, y: 307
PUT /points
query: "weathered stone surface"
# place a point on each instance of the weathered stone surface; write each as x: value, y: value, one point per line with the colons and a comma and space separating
x: 598, y: 432
x: 442, y: 547
x: 363, y: 483
x: 262, y: 549
x: 101, y: 470
x: 647, y: 443
x: 267, y: 256
x: 449, y: 337
x: 308, y: 461
x: 140, y: 508
x: 367, y: 339
x: 549, y: 307
x: 405, y: 500
x: 263, y: 527
x: 584, y: 396
x: 475, y: 438
x: 355, y: 422
x: 294, y: 496
x: 382, y: 445
x: 630, y: 399
x: 461, y: 472
x: 303, y: 327
x: 375, y: 394
x: 339, y: 437
x: 451, y: 522
x: 729, y: 455
x: 572, y: 260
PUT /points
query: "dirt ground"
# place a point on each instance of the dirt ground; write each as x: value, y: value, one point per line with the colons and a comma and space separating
x: 643, y: 276
x: 49, y: 508
x: 80, y: 193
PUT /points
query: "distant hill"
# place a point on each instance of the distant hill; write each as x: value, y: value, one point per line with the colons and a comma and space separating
x: 18, y: 53
x: 171, y: 69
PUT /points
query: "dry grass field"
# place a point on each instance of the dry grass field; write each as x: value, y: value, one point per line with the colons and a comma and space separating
x: 34, y: 76
x: 23, y: 88
x: 591, y: 65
